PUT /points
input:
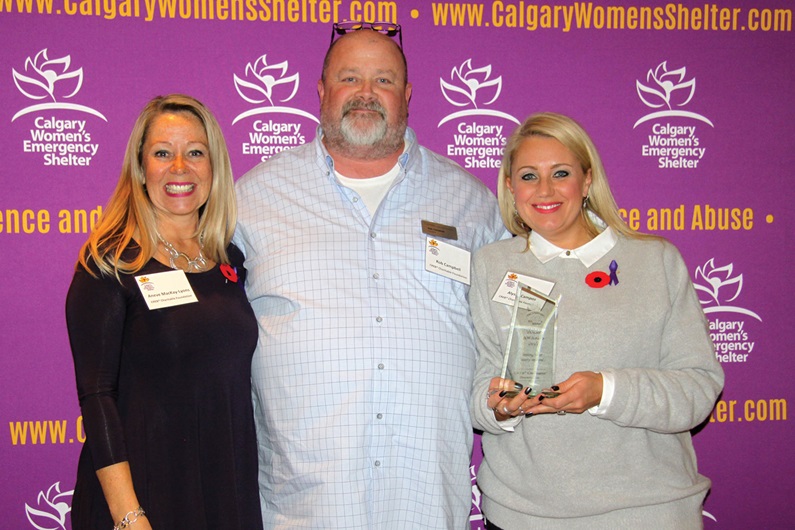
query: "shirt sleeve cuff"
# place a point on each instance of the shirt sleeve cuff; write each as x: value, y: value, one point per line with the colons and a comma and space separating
x: 509, y: 424
x: 608, y: 389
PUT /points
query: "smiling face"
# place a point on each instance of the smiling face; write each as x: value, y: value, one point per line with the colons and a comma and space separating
x: 549, y: 185
x: 364, y: 95
x: 176, y: 162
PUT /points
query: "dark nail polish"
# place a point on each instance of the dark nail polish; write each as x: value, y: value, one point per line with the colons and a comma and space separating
x: 555, y: 388
x: 541, y: 397
x: 528, y: 414
x: 517, y: 386
x: 502, y: 394
x: 527, y: 391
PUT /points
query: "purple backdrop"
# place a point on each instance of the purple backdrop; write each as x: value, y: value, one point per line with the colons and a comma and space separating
x: 692, y: 109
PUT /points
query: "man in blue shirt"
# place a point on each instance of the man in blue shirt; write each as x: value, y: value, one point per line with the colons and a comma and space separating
x: 357, y: 246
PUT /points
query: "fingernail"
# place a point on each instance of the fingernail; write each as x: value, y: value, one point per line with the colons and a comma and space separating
x: 541, y: 397
x: 517, y: 386
x: 527, y: 391
x: 555, y: 388
x: 502, y: 394
x: 528, y: 414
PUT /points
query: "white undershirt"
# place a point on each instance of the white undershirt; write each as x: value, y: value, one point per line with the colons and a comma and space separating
x: 372, y: 190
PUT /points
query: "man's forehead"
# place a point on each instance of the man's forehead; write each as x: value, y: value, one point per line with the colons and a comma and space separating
x: 359, y: 68
x: 361, y: 43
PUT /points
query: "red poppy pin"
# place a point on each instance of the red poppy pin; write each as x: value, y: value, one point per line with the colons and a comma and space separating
x: 229, y: 272
x: 599, y: 279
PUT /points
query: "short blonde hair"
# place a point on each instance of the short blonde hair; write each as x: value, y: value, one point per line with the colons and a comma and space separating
x: 130, y: 213
x: 571, y: 134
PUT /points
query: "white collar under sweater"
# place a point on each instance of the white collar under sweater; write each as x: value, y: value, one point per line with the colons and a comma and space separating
x: 588, y: 254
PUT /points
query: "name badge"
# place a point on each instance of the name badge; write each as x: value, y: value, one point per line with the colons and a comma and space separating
x: 446, y: 260
x: 439, y: 230
x: 506, y: 293
x: 165, y: 289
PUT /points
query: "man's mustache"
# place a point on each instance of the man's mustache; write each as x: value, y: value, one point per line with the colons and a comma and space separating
x: 363, y: 105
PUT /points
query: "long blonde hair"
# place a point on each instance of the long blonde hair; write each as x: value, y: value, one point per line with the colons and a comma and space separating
x: 130, y: 213
x: 571, y: 134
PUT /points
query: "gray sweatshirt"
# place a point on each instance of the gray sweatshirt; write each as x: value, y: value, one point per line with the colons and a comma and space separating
x: 650, y: 333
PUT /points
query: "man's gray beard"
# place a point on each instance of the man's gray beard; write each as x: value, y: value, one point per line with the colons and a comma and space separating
x: 363, y: 135
x: 373, y: 141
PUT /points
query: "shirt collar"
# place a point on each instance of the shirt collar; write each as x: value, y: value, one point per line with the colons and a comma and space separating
x: 410, y: 148
x: 588, y: 254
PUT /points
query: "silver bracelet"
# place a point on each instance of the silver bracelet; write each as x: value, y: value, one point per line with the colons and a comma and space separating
x: 124, y: 523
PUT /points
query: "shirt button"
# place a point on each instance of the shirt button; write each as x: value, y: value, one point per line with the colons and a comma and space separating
x: 379, y: 319
x: 356, y: 199
x: 568, y: 252
x: 379, y: 416
x: 376, y: 276
x: 380, y: 366
x: 377, y: 463
x: 372, y: 235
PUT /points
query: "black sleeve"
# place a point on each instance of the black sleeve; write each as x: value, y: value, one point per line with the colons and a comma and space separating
x: 95, y: 316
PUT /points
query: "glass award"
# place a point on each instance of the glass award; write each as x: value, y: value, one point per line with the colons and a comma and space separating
x: 529, y: 357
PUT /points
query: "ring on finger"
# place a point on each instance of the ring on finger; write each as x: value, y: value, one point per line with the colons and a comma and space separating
x: 561, y: 413
x: 520, y: 411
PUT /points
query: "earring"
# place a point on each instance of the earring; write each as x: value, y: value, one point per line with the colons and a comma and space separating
x: 585, y: 201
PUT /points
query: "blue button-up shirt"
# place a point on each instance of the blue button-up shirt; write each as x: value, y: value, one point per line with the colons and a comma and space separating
x: 365, y: 360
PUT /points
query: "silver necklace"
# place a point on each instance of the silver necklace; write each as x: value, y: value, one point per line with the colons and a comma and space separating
x: 180, y: 260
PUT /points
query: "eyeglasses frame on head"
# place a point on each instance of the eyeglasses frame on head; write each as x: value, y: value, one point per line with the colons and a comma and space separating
x: 384, y: 28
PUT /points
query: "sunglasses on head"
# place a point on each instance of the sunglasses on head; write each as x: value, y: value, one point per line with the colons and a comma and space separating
x: 384, y: 28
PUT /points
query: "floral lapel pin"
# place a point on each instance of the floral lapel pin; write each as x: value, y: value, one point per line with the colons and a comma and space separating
x: 229, y: 272
x: 599, y: 279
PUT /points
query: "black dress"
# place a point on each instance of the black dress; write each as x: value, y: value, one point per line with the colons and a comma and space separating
x: 169, y: 391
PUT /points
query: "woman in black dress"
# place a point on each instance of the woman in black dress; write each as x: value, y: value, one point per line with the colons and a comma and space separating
x: 162, y: 337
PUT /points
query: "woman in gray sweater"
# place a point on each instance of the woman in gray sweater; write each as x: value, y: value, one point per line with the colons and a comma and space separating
x: 609, y: 445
